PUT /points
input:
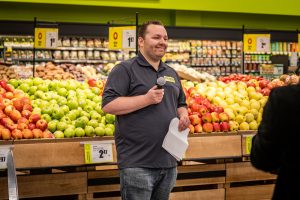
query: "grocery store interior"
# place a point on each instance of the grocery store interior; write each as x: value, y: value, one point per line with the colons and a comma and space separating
x: 55, y: 57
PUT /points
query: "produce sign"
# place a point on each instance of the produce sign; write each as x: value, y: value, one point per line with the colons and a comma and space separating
x: 271, y: 70
x: 45, y: 37
x: 122, y: 37
x: 99, y: 152
x: 257, y: 42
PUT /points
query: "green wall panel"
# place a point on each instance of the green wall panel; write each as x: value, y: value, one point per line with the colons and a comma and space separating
x: 287, y: 7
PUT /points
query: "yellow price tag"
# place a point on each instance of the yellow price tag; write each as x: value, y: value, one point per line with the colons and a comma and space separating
x: 98, y: 152
x: 249, y: 43
x: 122, y: 37
x: 248, y: 143
x: 45, y: 37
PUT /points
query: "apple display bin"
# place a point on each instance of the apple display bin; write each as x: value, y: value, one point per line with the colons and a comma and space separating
x: 62, y: 170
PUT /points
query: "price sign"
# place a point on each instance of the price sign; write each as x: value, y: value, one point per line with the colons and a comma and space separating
x: 122, y: 37
x: 298, y: 42
x: 257, y: 42
x: 98, y: 153
x: 248, y: 143
x: 45, y: 38
x: 3, y: 156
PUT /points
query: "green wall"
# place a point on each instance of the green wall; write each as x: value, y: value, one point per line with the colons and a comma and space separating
x: 181, y: 17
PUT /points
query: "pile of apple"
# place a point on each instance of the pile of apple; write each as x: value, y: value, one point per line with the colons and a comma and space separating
x: 16, y: 116
x: 71, y: 108
x: 96, y: 83
x: 241, y: 103
x: 204, y: 116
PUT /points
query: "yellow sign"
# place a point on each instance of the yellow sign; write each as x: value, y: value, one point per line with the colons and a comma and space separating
x: 249, y: 144
x: 169, y: 79
x: 45, y: 37
x: 257, y: 42
x: 298, y: 42
x: 122, y: 37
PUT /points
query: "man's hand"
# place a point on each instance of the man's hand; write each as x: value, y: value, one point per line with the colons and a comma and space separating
x: 154, y: 95
x: 184, y: 123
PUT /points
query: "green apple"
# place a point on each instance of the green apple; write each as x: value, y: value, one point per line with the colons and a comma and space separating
x: 32, y: 97
x: 69, y: 132
x: 73, y: 104
x: 61, y: 126
x: 80, y: 122
x: 79, y: 132
x: 24, y: 87
x: 109, y: 118
x: 100, y: 131
x: 81, y: 102
x: 98, y: 108
x: 110, y: 126
x: 89, y: 131
x: 53, y: 101
x: 96, y: 116
x: 66, y: 119
x: 14, y: 83
x: 28, y: 82
x: 57, y: 113
x: 37, y: 111
x: 39, y: 94
x: 96, y: 90
x: 88, y: 108
x: 59, y: 134
x: 97, y: 99
x: 72, y: 93
x: 94, y: 123
x: 109, y: 131
x: 84, y: 113
x: 37, y: 81
x: 52, y: 126
x: 32, y: 90
x: 43, y: 88
x: 62, y: 101
x: 103, y: 121
x: 65, y: 108
x: 46, y: 117
x: 62, y: 92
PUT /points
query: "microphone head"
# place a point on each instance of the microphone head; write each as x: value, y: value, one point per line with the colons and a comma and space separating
x: 161, y: 81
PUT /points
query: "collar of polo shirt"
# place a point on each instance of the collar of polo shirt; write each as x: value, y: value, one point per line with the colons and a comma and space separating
x: 143, y: 62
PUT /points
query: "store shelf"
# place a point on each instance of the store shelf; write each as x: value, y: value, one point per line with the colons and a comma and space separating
x: 31, y: 60
x: 81, y: 61
x: 258, y: 62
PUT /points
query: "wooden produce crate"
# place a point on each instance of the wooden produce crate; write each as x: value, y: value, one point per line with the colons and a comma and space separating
x: 52, y: 152
x: 214, y: 194
x: 244, y: 182
x: 46, y: 185
x: 214, y: 146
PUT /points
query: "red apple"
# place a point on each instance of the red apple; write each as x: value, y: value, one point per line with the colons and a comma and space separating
x: 219, y: 109
x: 34, y: 118
x: 194, y: 119
x: 266, y: 91
x: 17, y: 103
x: 195, y: 107
x: 9, y: 95
x: 31, y: 126
x: 41, y: 124
x: 225, y: 126
x: 7, y: 102
x: 192, y: 129
x: 215, y: 117
x: 25, y: 100
x: 22, y: 126
x: 8, y: 109
x: 207, y: 127
x: 92, y: 82
x: 207, y: 118
x: 26, y: 113
x: 17, y: 134
x: 263, y: 83
x: 27, y: 107
x: 2, y: 115
x: 216, y: 127
x: 203, y: 110
x: 224, y: 117
x: 15, y: 115
x: 2, y: 105
x: 11, y: 126
x: 5, y: 121
x: 23, y: 120
x: 37, y: 133
x: 27, y: 134
x: 198, y: 128
x: 47, y: 134
x: 5, y: 133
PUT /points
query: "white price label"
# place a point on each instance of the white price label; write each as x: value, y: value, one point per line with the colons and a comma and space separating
x: 51, y: 39
x: 128, y: 39
x: 3, y: 157
x: 98, y: 153
x: 263, y: 44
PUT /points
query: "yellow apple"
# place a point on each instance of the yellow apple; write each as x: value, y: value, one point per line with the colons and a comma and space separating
x: 244, y: 126
x: 253, y: 125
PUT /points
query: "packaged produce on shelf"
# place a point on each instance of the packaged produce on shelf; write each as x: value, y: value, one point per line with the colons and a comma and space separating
x: 74, y: 42
x: 7, y: 73
x: 184, y: 70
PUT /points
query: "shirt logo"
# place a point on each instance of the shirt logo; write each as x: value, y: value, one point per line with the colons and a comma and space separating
x: 169, y: 79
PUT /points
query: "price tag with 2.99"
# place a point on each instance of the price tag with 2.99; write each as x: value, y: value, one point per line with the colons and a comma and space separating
x: 3, y: 157
x: 98, y: 153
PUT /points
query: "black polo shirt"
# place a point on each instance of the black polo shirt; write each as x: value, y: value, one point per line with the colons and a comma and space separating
x: 139, y: 135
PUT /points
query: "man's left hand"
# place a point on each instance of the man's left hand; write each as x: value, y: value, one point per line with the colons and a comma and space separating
x: 184, y: 123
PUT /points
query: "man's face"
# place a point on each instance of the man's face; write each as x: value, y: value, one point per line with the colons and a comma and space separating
x: 155, y: 42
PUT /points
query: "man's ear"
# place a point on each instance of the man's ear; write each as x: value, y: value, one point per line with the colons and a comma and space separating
x: 141, y: 41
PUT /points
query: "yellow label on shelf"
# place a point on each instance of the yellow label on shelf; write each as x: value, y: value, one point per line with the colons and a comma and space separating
x: 248, y: 143
x: 122, y: 37
x: 45, y: 37
x: 298, y: 42
x: 257, y: 42
x: 87, y: 153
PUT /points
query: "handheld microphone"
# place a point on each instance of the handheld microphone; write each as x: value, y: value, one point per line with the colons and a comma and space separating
x: 160, y: 82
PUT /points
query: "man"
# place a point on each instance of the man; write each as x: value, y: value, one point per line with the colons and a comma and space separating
x: 275, y: 148
x: 144, y: 113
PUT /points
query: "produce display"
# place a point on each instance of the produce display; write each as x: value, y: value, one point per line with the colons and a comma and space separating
x: 232, y: 103
x: 62, y: 109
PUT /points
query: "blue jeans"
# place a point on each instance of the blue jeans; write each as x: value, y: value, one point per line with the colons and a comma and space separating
x: 147, y: 183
